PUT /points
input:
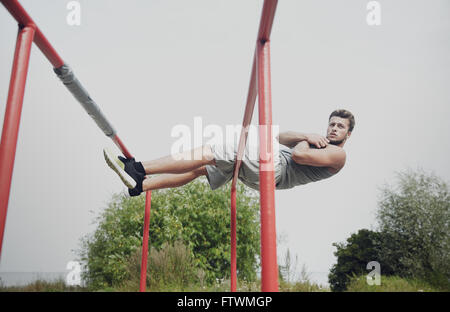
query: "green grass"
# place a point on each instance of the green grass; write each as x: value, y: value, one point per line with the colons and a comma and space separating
x: 357, y: 284
x: 58, y: 285
x: 303, y: 286
x: 390, y: 284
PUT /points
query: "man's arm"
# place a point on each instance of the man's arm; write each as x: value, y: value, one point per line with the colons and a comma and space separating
x: 291, y: 139
x: 331, y: 156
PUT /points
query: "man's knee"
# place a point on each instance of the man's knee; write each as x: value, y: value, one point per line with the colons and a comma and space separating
x: 208, y: 154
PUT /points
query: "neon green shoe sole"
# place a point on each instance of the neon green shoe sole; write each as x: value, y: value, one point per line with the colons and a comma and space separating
x: 118, y: 166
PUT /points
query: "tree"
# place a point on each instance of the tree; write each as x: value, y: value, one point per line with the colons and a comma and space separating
x: 192, y: 214
x: 353, y: 257
x: 414, y: 214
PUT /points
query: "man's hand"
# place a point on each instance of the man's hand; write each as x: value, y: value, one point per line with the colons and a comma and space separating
x: 291, y: 139
x: 318, y: 140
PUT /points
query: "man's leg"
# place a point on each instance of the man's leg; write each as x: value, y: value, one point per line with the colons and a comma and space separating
x: 172, y: 180
x: 184, y: 162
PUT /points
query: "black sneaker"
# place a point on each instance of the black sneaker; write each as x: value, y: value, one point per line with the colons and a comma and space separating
x: 126, y: 169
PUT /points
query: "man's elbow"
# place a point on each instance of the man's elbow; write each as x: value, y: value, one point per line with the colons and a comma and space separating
x: 299, y: 157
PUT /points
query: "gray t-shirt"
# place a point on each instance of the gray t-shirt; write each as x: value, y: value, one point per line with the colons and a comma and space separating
x: 293, y: 174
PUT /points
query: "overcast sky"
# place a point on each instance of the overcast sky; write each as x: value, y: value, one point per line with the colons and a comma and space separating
x: 153, y: 65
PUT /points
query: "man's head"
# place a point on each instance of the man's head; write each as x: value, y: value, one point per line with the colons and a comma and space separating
x: 340, y: 126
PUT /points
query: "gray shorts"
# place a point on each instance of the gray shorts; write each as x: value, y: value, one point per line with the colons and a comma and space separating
x: 225, y: 155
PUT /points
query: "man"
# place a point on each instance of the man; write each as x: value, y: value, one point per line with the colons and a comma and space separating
x: 307, y: 158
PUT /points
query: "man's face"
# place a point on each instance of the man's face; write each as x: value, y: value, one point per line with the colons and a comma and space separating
x: 337, y: 131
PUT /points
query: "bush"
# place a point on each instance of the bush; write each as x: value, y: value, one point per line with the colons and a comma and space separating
x: 171, y: 268
x: 192, y: 214
x: 413, y: 238
x: 353, y: 257
x: 414, y: 217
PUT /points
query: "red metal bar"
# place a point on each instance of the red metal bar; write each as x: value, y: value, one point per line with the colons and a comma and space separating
x: 11, y: 121
x: 265, y: 28
x: 249, y: 107
x: 121, y: 146
x: 251, y: 99
x: 22, y: 17
x: 269, y: 267
x: 148, y: 202
x: 233, y: 266
x: 268, y: 14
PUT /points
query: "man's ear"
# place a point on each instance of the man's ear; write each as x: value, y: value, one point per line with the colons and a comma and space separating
x: 349, y: 134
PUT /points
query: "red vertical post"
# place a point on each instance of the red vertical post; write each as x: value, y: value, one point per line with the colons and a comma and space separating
x: 251, y: 98
x: 11, y: 121
x: 233, y: 276
x: 144, y: 260
x: 269, y: 267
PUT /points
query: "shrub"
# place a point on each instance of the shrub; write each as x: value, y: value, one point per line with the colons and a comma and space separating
x: 413, y: 238
x: 170, y: 268
x: 192, y: 214
x: 414, y: 217
x: 353, y: 257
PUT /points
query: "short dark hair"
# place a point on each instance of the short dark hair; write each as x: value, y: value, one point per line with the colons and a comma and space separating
x: 343, y: 113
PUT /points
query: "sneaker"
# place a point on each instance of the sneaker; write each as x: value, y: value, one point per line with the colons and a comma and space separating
x: 118, y: 164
